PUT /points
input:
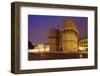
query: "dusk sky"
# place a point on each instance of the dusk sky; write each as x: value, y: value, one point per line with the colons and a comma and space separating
x: 39, y: 25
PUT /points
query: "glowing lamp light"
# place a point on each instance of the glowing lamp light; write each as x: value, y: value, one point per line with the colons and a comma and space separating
x: 33, y: 50
x: 39, y: 49
x: 81, y: 48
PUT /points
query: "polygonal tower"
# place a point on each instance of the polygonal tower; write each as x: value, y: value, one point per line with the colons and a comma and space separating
x: 69, y: 36
x: 53, y: 40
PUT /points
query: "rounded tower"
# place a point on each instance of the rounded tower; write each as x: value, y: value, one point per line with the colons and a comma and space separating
x: 69, y: 36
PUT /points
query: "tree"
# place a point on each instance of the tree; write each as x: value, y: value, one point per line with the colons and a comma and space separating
x: 30, y: 45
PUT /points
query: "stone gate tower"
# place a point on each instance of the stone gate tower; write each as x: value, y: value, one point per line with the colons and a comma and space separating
x: 69, y: 36
x: 53, y: 40
x: 64, y: 40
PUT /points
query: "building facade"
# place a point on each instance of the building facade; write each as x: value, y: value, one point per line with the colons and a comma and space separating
x: 83, y: 45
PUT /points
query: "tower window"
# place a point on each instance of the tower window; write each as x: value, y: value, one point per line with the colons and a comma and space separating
x: 64, y: 31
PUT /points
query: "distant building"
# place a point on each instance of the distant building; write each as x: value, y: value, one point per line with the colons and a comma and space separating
x: 40, y: 48
x: 43, y: 47
x: 65, y: 39
x: 83, y: 45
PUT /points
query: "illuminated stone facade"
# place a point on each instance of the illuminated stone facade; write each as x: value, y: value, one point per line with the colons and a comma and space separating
x: 40, y: 48
x: 65, y: 39
x: 83, y: 45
